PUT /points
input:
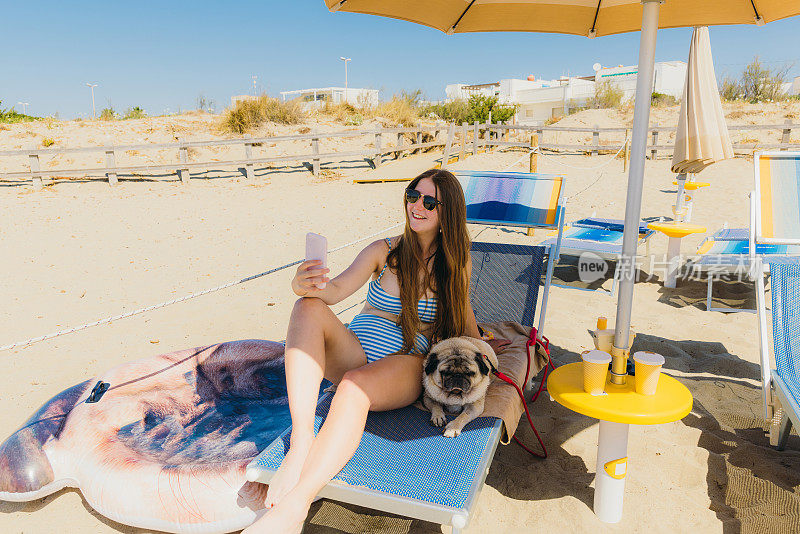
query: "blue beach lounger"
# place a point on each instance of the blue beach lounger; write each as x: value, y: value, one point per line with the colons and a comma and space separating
x: 774, y: 230
x: 403, y: 464
x: 727, y: 252
x: 599, y: 236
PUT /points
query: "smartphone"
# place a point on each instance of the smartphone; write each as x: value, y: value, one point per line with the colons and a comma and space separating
x: 317, y: 249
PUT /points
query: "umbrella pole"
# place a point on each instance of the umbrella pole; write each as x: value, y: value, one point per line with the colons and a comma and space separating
x: 681, y: 189
x: 633, y: 203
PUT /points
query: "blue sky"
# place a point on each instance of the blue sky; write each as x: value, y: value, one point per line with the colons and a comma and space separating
x: 162, y: 55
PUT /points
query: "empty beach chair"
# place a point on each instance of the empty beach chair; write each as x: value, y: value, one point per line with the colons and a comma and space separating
x: 404, y: 465
x: 774, y: 230
x: 775, y: 220
x: 727, y: 253
x: 602, y: 237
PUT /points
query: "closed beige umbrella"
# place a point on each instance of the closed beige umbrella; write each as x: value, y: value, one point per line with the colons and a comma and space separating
x: 702, y: 136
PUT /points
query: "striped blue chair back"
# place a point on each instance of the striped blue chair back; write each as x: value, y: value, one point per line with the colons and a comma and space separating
x: 512, y: 198
x: 785, y: 288
x: 504, y: 285
x: 778, y: 195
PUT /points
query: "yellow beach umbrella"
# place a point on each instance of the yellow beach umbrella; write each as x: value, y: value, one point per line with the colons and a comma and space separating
x: 579, y: 17
x: 702, y: 135
x: 590, y: 18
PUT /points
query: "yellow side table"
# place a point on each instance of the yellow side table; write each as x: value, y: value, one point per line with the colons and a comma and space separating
x: 675, y: 231
x: 617, y: 409
x: 692, y: 186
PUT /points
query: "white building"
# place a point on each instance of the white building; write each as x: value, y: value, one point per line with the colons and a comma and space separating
x: 539, y: 100
x: 462, y: 91
x: 552, y: 98
x: 792, y: 88
x: 669, y: 78
x: 316, y: 98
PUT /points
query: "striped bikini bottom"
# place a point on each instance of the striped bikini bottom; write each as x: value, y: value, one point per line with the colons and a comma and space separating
x: 380, y: 336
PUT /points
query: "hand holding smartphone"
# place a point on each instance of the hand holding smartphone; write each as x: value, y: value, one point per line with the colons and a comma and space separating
x: 317, y: 249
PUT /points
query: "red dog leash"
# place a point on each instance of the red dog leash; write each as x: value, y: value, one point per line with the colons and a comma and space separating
x: 536, y: 343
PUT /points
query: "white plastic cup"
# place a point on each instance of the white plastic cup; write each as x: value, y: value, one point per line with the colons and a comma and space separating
x: 648, y: 369
x: 595, y: 371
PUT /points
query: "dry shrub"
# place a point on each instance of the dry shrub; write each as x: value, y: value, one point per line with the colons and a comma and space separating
x: 402, y: 109
x: 343, y: 112
x: 398, y: 110
x: 457, y: 111
x: 48, y: 142
x: 606, y: 95
x: 659, y: 100
x: 328, y: 175
x: 250, y: 114
x: 108, y: 114
x: 757, y: 83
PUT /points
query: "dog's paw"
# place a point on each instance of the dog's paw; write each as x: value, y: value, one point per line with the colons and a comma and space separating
x: 451, y: 432
x: 438, y: 419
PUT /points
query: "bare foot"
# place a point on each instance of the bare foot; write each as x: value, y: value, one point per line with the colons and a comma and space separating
x: 288, y: 474
x: 286, y: 517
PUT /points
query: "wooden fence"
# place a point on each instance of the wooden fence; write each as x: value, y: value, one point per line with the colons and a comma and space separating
x: 460, y: 139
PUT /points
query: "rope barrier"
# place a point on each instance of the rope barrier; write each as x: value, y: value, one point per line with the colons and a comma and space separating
x: 528, y: 153
x: 180, y: 299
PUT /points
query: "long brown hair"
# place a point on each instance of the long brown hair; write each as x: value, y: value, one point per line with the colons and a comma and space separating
x: 448, y: 277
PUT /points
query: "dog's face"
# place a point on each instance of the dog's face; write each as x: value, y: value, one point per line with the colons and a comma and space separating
x: 456, y: 371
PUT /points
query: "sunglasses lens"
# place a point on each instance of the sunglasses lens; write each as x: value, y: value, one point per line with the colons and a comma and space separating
x: 429, y: 203
x: 412, y: 195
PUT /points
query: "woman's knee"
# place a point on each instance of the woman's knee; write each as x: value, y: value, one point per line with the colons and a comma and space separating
x: 309, y: 307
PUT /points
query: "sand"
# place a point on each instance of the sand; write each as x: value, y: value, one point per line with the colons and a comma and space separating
x: 77, y: 251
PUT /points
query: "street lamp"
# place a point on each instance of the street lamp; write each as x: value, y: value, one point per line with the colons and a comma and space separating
x: 24, y: 107
x: 345, y: 59
x: 92, y: 86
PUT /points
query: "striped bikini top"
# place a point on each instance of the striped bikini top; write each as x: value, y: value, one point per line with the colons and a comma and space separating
x: 379, y: 299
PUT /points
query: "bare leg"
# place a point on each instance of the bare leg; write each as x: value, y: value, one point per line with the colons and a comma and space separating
x: 389, y: 383
x: 317, y: 345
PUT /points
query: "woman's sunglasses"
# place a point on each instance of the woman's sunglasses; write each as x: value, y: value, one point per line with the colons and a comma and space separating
x: 428, y: 202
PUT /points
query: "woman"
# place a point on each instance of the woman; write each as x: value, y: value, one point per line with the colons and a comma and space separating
x: 419, y: 294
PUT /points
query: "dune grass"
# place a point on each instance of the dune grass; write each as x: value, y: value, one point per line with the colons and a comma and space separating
x: 606, y: 95
x: 247, y: 115
x: 402, y: 109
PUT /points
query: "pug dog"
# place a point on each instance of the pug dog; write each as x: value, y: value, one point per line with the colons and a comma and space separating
x: 455, y: 378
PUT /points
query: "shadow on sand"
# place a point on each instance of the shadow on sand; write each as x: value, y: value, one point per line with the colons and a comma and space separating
x: 752, y: 486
